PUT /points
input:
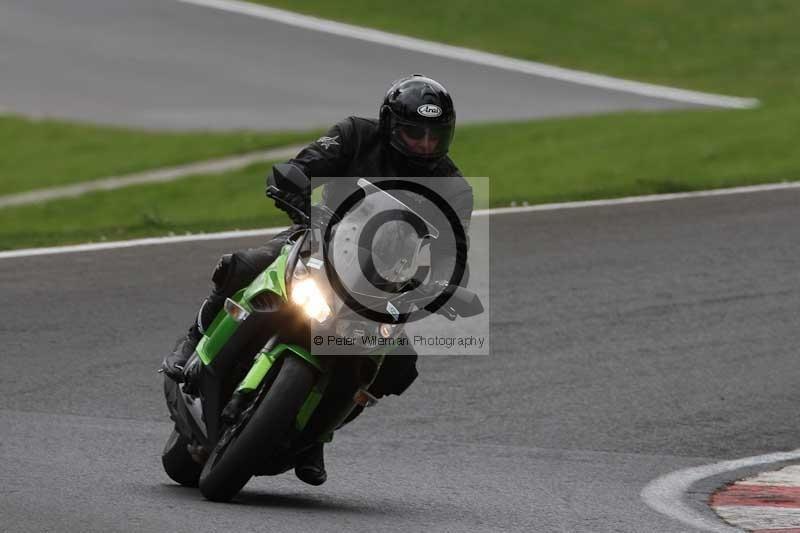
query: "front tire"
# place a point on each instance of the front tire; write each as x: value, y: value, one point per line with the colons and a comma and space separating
x: 231, y: 463
x: 178, y: 464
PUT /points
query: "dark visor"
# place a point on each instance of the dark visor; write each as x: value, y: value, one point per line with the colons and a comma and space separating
x: 424, y: 140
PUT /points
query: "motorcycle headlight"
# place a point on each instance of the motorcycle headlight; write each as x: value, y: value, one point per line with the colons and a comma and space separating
x: 307, y: 295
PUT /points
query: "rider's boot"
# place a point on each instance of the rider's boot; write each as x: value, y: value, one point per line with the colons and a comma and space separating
x: 174, y: 363
x: 310, y: 466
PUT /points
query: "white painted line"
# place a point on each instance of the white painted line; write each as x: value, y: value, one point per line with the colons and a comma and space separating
x: 94, y: 247
x: 760, y: 518
x: 162, y: 175
x: 475, y: 56
x: 478, y: 213
x: 666, y: 494
x: 640, y: 199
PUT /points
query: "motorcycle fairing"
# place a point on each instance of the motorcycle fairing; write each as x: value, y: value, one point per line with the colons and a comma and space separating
x: 224, y: 325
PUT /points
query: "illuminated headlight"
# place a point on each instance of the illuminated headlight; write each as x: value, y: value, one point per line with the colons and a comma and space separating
x: 307, y: 295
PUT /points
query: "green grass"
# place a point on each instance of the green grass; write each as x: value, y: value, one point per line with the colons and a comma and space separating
x: 553, y: 160
x: 738, y: 47
x: 147, y: 210
x: 47, y: 153
x: 630, y: 154
x: 741, y: 47
x: 144, y: 211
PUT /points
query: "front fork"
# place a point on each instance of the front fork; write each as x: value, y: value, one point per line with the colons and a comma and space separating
x: 267, y: 358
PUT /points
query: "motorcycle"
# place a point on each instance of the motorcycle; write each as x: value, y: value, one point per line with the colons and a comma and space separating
x: 255, y: 396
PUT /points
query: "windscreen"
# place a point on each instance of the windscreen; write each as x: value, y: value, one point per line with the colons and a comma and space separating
x: 380, y: 248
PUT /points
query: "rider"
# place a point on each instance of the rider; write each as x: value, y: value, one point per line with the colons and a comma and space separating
x: 411, y: 138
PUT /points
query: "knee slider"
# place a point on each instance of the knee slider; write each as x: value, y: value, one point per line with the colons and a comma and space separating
x: 398, y: 372
x: 221, y: 272
x: 405, y: 380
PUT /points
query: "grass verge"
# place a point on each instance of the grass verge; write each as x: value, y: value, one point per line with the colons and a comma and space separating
x: 741, y: 47
x: 630, y: 154
x: 46, y: 153
x: 745, y: 48
x: 145, y: 210
x: 737, y: 47
x: 547, y: 161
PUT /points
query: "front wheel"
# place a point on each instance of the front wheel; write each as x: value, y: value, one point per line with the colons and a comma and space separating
x: 232, y: 462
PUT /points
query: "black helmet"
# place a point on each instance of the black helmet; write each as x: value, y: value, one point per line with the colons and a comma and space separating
x: 418, y: 119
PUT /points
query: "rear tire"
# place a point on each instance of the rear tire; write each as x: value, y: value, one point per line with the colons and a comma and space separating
x: 231, y: 464
x: 178, y: 464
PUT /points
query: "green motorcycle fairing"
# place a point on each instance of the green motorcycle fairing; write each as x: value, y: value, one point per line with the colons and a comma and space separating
x: 224, y: 326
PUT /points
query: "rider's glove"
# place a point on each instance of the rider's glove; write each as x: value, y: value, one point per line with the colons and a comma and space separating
x: 430, y: 292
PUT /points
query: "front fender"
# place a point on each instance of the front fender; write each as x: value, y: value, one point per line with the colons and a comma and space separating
x: 265, y: 360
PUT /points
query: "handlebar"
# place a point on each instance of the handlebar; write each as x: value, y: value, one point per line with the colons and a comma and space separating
x: 320, y: 218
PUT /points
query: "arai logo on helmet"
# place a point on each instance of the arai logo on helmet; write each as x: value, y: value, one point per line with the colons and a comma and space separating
x: 429, y: 110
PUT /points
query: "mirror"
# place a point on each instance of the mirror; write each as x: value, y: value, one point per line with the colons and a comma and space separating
x: 466, y: 303
x: 289, y: 178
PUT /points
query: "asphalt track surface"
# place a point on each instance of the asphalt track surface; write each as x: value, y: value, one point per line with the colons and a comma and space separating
x: 629, y: 341
x: 164, y: 64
